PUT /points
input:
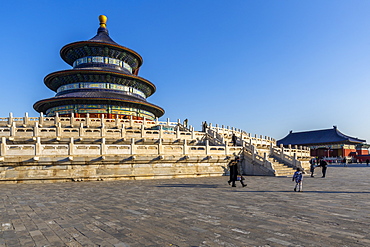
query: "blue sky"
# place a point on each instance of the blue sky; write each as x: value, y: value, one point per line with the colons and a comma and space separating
x: 266, y: 67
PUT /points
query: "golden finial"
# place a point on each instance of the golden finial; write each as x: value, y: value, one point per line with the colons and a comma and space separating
x: 103, y: 21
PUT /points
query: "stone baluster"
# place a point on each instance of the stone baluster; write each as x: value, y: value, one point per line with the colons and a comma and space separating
x: 102, y: 121
x: 41, y: 119
x: 123, y: 130
x: 132, y: 146
x: 25, y: 119
x: 71, y: 146
x: 103, y: 147
x: 160, y: 131
x: 87, y: 120
x: 226, y: 148
x: 38, y: 146
x: 10, y: 118
x: 13, y: 129
x: 81, y: 130
x: 102, y: 128
x: 144, y: 121
x: 56, y: 119
x: 282, y: 152
x: 207, y: 147
x: 72, y: 119
x: 177, y: 129
x: 3, y: 146
x: 36, y: 129
x: 59, y: 129
x: 185, y: 147
x: 116, y: 122
x: 143, y: 132
x: 160, y: 145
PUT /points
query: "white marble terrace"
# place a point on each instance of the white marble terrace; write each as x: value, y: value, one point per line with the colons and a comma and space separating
x: 32, y: 139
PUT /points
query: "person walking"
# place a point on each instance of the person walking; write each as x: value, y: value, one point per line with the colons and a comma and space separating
x: 235, y: 173
x: 234, y: 139
x: 367, y: 162
x: 204, y: 126
x: 312, y: 167
x: 324, y: 166
x: 298, y: 178
x: 345, y: 162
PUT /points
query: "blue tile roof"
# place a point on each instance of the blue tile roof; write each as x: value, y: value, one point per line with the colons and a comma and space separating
x: 103, y: 36
x: 318, y: 137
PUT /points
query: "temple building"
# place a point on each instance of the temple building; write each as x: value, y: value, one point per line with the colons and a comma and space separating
x: 326, y: 143
x: 103, y: 82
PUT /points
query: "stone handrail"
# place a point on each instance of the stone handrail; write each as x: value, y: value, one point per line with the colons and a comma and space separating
x: 214, y: 137
x: 250, y: 153
x: 227, y: 133
x: 279, y: 154
x: 72, y: 148
x: 301, y: 152
x: 75, y: 121
x: 94, y: 132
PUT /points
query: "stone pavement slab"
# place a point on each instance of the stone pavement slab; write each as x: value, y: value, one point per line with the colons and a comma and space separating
x: 332, y: 211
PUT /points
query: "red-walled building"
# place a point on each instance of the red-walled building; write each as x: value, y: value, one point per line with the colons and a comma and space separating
x: 327, y: 143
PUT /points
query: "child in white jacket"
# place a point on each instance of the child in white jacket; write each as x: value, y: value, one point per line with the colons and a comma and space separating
x: 298, y: 178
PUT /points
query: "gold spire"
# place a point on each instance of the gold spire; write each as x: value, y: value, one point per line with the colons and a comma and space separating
x: 103, y: 21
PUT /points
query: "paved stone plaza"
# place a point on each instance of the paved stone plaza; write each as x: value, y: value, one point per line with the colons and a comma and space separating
x: 332, y: 211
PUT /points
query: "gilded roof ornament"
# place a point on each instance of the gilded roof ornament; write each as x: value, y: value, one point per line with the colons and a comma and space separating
x: 103, y: 21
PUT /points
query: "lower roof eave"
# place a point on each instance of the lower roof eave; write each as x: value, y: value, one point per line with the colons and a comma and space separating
x: 44, y: 105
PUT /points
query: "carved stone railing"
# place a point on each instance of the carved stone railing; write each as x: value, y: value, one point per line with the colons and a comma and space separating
x: 227, y: 133
x: 75, y: 121
x: 249, y: 153
x: 215, y: 140
x: 292, y: 161
x: 73, y: 148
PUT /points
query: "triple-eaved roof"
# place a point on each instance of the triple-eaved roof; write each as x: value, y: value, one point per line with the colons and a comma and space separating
x: 324, y: 136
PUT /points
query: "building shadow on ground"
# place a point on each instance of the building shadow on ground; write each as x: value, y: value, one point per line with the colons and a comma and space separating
x: 305, y: 191
x: 189, y: 185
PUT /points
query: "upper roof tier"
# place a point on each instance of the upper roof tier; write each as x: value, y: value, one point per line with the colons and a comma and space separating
x: 101, y: 45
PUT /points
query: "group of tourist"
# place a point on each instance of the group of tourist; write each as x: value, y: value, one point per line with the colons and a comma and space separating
x: 318, y: 163
x: 236, y: 174
x: 298, y: 175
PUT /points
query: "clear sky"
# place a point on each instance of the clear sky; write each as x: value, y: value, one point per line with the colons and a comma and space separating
x: 266, y: 67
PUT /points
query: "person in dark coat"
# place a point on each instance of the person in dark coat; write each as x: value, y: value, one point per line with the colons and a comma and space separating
x: 204, y: 126
x: 234, y: 139
x: 234, y: 172
x: 312, y: 167
x: 324, y: 166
